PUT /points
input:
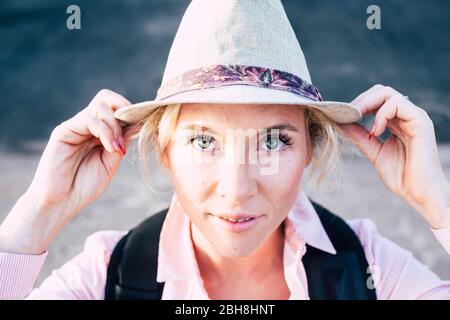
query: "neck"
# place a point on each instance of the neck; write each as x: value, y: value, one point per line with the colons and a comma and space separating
x: 267, y: 259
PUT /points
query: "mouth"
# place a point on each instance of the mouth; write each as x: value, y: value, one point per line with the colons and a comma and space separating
x: 236, y: 223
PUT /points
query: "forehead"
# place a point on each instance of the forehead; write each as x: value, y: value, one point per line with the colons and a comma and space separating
x: 241, y: 115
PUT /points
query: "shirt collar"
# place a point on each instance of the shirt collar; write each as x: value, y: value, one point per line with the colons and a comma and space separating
x: 176, y: 257
x: 306, y: 225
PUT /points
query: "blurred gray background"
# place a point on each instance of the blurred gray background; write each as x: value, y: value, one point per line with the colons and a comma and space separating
x: 48, y: 73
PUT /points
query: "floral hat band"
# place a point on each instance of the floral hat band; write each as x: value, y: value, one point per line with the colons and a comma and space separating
x: 234, y: 32
x: 226, y: 75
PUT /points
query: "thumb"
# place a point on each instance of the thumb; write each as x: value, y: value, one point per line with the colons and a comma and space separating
x: 359, y: 136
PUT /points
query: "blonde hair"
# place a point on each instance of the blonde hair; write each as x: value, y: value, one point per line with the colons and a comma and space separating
x: 323, y: 134
x: 323, y: 143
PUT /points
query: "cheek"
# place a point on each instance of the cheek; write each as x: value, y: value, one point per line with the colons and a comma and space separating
x: 185, y: 173
x: 191, y: 183
x: 281, y: 189
x: 187, y: 183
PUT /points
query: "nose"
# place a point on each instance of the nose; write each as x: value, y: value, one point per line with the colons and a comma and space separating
x: 236, y: 183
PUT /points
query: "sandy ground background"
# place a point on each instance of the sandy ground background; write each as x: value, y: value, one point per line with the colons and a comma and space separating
x: 128, y: 200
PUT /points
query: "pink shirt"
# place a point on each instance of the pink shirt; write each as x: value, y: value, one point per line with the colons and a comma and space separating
x: 396, y: 273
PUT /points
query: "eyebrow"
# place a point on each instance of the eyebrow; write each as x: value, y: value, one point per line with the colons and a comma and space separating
x: 282, y: 126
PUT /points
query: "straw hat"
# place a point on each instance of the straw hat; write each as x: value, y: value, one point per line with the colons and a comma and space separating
x: 237, y: 52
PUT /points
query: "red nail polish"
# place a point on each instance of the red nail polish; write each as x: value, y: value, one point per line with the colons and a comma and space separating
x: 121, y: 141
x: 116, y: 145
x: 371, y: 133
x: 122, y: 150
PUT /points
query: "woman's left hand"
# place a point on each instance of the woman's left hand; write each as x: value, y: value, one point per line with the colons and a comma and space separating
x: 408, y: 161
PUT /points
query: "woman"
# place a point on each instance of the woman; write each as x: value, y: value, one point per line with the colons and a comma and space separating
x: 234, y: 229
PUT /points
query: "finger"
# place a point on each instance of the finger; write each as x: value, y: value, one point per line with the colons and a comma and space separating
x: 395, y: 129
x: 393, y: 126
x: 396, y: 107
x: 112, y: 99
x: 372, y: 99
x: 105, y: 103
x: 105, y: 113
x: 359, y: 135
x: 100, y: 130
x: 74, y: 130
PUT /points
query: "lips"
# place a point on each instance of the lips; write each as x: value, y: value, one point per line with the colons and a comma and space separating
x: 237, y: 222
x: 237, y: 217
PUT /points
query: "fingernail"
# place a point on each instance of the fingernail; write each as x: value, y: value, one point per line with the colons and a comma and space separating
x: 122, y: 150
x: 116, y: 145
x: 121, y: 141
x: 122, y: 145
x: 371, y: 133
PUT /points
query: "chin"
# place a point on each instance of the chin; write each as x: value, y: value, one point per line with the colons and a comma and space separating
x: 237, y: 249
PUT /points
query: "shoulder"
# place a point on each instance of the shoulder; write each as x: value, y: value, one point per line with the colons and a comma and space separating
x: 97, y: 251
x: 379, y: 250
x: 103, y: 243
x: 84, y: 276
x: 396, y: 273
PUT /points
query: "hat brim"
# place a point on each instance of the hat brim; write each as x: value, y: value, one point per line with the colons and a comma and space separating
x: 341, y: 112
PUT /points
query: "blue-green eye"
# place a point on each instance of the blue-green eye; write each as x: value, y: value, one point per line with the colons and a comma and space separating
x: 271, y: 142
x: 202, y: 142
x: 277, y: 141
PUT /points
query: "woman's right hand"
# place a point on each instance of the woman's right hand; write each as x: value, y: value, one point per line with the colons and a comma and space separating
x: 79, y: 161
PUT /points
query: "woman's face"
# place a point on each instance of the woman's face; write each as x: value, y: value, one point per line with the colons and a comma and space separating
x: 229, y: 161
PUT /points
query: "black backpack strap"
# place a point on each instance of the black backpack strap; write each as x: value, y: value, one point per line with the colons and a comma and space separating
x: 343, y: 276
x: 132, y: 269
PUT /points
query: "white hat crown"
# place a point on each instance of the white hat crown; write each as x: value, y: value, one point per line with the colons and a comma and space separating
x: 235, y: 32
x: 237, y: 52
